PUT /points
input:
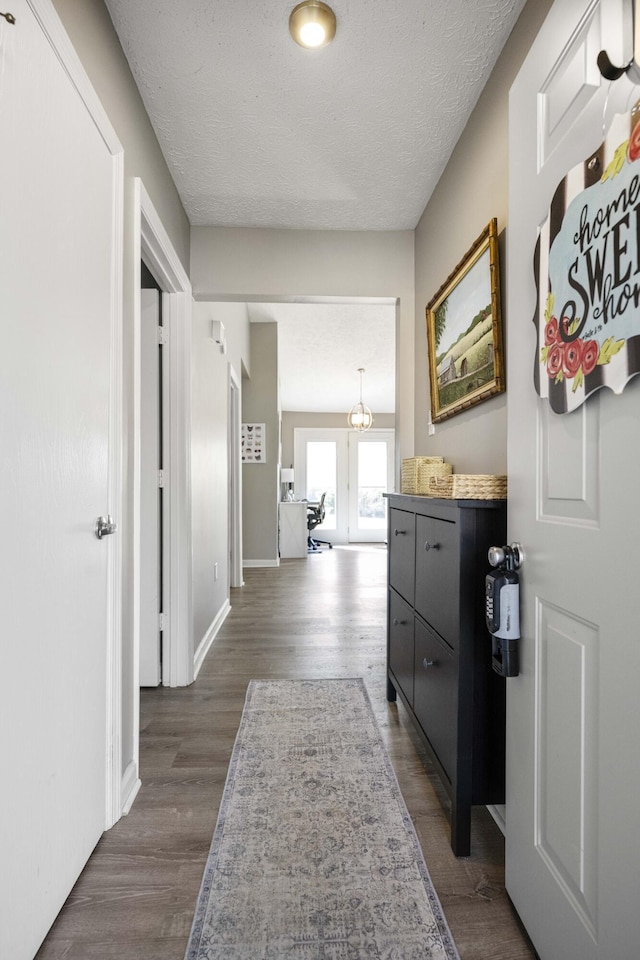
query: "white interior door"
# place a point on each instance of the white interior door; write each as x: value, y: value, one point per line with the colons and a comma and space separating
x: 58, y: 205
x: 573, y: 771
x: 150, y: 507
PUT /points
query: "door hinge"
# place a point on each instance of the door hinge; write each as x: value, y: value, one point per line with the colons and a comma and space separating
x: 162, y: 336
x: 161, y: 478
x: 161, y: 622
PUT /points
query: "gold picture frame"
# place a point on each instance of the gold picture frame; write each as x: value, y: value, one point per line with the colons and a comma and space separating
x: 464, y: 332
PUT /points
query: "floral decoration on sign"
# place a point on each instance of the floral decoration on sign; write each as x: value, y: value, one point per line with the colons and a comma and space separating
x: 587, y: 265
x: 568, y: 358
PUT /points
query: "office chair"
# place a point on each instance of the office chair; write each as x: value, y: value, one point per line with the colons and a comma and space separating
x: 315, y: 516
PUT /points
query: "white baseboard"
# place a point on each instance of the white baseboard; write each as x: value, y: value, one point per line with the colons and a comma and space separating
x: 498, y: 812
x: 261, y: 563
x: 129, y: 786
x: 209, y: 637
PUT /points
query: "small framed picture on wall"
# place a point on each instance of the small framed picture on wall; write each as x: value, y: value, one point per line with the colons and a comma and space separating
x: 253, y: 437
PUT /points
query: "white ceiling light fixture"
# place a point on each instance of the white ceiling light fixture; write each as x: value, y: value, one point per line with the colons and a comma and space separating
x: 312, y: 24
x: 360, y: 417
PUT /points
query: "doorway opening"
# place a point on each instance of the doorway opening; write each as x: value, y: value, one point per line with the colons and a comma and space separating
x: 151, y: 479
x: 154, y: 248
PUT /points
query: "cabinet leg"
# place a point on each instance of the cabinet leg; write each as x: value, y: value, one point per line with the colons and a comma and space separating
x: 461, y: 829
x: 391, y: 692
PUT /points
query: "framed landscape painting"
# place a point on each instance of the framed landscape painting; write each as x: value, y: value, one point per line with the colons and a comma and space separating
x: 464, y: 331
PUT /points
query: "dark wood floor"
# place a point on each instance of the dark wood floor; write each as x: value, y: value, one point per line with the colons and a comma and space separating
x: 323, y: 616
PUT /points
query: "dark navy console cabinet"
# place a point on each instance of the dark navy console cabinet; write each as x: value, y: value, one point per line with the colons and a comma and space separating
x: 438, y: 648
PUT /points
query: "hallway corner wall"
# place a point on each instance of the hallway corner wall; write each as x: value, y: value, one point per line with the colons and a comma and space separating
x: 260, y: 404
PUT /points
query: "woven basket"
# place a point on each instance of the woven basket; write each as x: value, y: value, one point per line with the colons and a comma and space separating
x: 468, y: 486
x: 417, y: 471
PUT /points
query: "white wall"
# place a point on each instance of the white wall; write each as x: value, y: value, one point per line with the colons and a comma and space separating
x: 209, y: 456
x: 235, y: 263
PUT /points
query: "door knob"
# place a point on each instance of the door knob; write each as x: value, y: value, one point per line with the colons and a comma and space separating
x: 431, y: 546
x: 105, y: 526
x: 511, y: 554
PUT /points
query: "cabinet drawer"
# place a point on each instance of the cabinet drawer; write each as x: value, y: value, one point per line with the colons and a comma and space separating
x: 401, y: 652
x: 435, y: 694
x: 438, y: 575
x: 402, y: 552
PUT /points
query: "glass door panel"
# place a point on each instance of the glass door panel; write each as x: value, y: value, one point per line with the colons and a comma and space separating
x: 321, y: 474
x: 371, y: 459
x: 372, y: 483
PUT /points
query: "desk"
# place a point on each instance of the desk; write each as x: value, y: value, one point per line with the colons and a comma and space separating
x: 293, y: 528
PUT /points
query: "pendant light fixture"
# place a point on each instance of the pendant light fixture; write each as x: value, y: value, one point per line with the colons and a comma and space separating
x: 312, y: 24
x: 360, y: 417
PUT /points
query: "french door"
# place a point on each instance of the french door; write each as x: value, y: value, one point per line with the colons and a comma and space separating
x: 353, y: 471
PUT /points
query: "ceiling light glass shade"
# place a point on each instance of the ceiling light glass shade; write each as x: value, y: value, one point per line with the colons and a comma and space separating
x: 360, y: 417
x: 312, y: 24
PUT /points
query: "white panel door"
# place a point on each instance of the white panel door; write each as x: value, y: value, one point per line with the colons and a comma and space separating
x: 573, y: 761
x: 57, y: 204
x: 150, y: 513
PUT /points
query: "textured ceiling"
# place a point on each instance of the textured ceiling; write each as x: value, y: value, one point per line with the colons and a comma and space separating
x: 321, y: 346
x: 259, y: 132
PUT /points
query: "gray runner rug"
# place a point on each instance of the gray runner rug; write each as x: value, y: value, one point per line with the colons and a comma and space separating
x: 314, y: 854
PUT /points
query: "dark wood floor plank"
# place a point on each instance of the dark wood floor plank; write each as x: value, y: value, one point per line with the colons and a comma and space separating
x: 323, y: 616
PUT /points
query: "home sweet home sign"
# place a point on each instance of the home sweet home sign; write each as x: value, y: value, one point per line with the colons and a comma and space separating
x: 587, y: 268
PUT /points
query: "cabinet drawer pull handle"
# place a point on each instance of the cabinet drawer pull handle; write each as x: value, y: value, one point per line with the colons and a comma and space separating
x: 399, y: 623
x: 399, y: 533
x: 429, y: 663
x: 431, y: 546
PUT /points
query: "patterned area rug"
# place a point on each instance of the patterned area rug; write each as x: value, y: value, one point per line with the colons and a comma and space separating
x: 314, y: 854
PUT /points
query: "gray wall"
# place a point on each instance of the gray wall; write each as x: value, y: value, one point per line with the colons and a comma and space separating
x: 260, y: 487
x: 238, y: 263
x: 472, y: 190
x: 96, y: 43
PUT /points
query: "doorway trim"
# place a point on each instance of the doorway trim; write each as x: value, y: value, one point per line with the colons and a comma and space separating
x: 152, y: 244
x: 159, y: 254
